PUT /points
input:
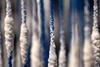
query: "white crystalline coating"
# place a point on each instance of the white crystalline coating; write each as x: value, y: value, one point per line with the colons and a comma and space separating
x: 24, y: 42
x: 52, y: 61
x: 8, y: 29
x: 62, y: 52
x: 36, y: 60
x: 88, y: 55
x: 9, y: 34
x: 95, y: 36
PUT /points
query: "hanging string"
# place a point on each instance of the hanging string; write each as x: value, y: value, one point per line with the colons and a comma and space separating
x: 23, y: 35
x: 52, y: 61
x: 9, y: 32
x: 95, y: 36
x: 62, y: 53
x: 88, y: 57
x: 36, y: 47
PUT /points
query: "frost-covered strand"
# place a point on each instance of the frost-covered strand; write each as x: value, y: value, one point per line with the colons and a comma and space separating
x: 23, y: 34
x: 52, y: 61
x: 9, y: 32
x: 24, y: 42
x: 62, y: 52
x: 36, y: 48
x: 23, y: 11
x: 88, y: 55
x: 95, y: 36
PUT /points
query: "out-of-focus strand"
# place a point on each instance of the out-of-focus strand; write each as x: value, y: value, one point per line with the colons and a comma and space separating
x: 88, y: 55
x: 52, y: 61
x: 62, y: 52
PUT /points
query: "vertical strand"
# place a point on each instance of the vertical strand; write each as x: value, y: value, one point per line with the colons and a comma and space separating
x: 95, y: 36
x: 37, y: 60
x: 62, y: 53
x: 88, y: 57
x: 24, y: 45
x: 9, y: 32
x: 52, y: 61
x: 74, y: 56
x: 42, y: 30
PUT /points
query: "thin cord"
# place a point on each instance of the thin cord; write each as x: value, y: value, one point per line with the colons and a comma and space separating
x: 52, y: 61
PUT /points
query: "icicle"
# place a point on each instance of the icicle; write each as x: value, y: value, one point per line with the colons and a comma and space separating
x: 23, y: 35
x: 62, y: 53
x: 36, y: 47
x: 52, y: 61
x: 9, y: 32
x: 88, y: 57
x: 95, y: 36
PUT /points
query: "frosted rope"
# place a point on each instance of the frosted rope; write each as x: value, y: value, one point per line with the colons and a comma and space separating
x: 52, y: 61
x: 95, y: 36
x: 9, y: 32
x: 24, y: 42
x: 23, y: 34
x: 88, y: 56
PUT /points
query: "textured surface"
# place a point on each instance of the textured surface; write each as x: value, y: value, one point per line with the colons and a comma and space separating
x: 95, y: 37
x: 24, y: 42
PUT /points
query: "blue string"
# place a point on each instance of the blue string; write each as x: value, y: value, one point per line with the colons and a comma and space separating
x: 42, y: 33
x: 27, y: 64
x: 61, y: 16
x: 10, y: 61
x: 51, y: 17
